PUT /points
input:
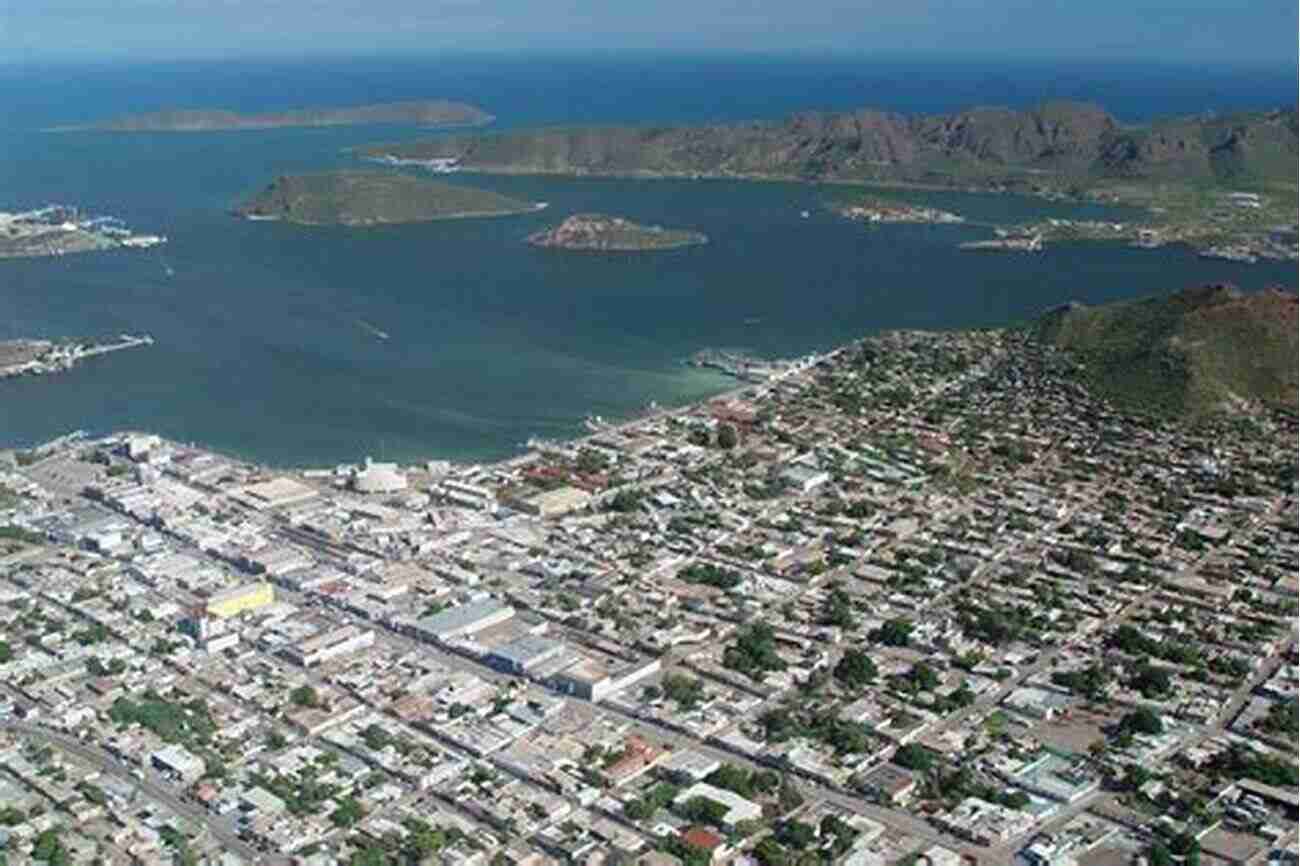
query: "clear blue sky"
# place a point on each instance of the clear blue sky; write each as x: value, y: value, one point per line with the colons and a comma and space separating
x: 1213, y: 32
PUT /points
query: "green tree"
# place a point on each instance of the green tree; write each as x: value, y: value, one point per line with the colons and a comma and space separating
x: 913, y: 756
x: 304, y: 696
x: 1143, y: 720
x: 348, y: 813
x: 856, y: 670
x: 727, y: 438
x: 894, y: 632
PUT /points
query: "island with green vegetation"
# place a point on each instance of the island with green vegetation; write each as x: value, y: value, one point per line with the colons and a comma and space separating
x: 602, y: 233
x: 1217, y: 182
x: 364, y: 198
x: 1199, y: 351
x: 437, y: 112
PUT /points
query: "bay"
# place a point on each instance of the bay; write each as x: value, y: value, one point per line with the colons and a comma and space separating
x: 266, y: 343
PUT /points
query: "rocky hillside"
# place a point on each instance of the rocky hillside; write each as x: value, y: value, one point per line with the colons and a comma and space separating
x: 1201, y: 350
x: 598, y: 232
x: 360, y: 198
x: 1055, y: 144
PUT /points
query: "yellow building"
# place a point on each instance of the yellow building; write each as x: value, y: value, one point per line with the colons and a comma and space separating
x: 250, y: 596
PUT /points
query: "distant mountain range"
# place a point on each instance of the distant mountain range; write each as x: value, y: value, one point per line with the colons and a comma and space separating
x: 424, y: 113
x: 1054, y: 144
x: 1194, y: 352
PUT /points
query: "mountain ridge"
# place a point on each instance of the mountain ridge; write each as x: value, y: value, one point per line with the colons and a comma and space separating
x: 1057, y: 141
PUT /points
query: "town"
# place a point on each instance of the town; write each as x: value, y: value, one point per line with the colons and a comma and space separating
x: 42, y: 357
x: 922, y: 600
x: 55, y: 230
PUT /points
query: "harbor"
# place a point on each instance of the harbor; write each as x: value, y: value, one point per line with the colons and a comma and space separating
x: 55, y: 230
x: 43, y: 357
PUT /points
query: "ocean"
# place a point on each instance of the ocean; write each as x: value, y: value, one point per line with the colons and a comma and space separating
x: 266, y: 343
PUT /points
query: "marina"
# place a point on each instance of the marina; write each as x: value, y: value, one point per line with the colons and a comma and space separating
x: 56, y: 229
x: 42, y: 357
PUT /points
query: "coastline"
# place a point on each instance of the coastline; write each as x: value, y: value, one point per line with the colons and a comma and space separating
x: 361, y: 224
x: 577, y: 441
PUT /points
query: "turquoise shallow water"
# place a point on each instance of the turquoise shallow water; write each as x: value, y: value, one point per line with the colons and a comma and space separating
x: 264, y: 331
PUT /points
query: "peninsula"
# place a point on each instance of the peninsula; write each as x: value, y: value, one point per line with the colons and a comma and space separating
x: 438, y: 112
x: 56, y: 230
x: 1181, y: 169
x: 602, y: 233
x: 362, y: 198
x: 42, y: 357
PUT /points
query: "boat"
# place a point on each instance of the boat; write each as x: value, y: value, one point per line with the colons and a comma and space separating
x: 803, y: 214
x: 382, y: 335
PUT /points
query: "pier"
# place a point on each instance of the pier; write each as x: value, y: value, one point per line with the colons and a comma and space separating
x: 38, y: 358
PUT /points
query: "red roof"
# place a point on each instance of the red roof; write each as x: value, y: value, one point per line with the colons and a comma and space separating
x: 705, y: 840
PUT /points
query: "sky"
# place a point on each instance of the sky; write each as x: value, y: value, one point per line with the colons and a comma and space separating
x: 1210, y: 32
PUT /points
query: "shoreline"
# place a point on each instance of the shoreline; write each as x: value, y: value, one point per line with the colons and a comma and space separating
x: 526, y: 451
x: 459, y: 215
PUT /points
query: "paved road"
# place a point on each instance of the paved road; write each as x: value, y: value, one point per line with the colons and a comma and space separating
x: 151, y: 787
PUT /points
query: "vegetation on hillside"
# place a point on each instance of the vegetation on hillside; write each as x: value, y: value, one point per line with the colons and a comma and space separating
x: 359, y: 198
x: 1193, y: 352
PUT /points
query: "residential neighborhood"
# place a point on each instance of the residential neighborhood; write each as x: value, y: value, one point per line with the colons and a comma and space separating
x: 922, y: 599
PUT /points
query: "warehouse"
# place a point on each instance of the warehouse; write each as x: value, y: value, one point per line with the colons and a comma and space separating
x: 463, y: 620
x: 524, y: 654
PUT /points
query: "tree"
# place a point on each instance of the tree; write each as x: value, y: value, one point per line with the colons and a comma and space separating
x: 923, y: 676
x: 795, y: 834
x: 1143, y: 720
x: 837, y: 610
x: 6, y: 652
x: 349, y: 812
x: 727, y: 438
x: 856, y: 670
x: 913, y: 756
x: 48, y: 847
x: 304, y: 696
x: 1151, y: 681
x: 894, y: 632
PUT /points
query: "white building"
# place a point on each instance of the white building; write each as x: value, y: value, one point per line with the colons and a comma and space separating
x: 378, y: 478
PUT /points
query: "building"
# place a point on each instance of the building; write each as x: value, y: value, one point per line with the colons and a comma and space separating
x: 803, y: 478
x: 689, y: 764
x: 890, y: 783
x: 467, y: 495
x: 330, y: 645
x: 276, y: 493
x: 261, y: 801
x: 738, y: 808
x: 983, y: 822
x: 248, y: 596
x: 1036, y: 703
x: 524, y: 654
x: 463, y: 620
x: 378, y: 478
x: 1056, y: 778
x: 703, y: 839
x: 638, y: 756
x: 178, y: 762
x: 596, y: 680
x: 553, y: 503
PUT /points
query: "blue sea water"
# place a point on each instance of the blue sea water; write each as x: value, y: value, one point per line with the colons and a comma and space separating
x: 265, y: 331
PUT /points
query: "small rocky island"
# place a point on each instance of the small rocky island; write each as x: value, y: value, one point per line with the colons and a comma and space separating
x: 601, y: 233
x: 439, y: 112
x: 364, y: 198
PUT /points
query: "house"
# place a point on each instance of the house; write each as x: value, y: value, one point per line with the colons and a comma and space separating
x: 706, y: 840
x: 890, y: 783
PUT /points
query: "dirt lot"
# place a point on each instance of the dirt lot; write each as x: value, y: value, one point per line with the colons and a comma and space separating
x: 1075, y: 732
